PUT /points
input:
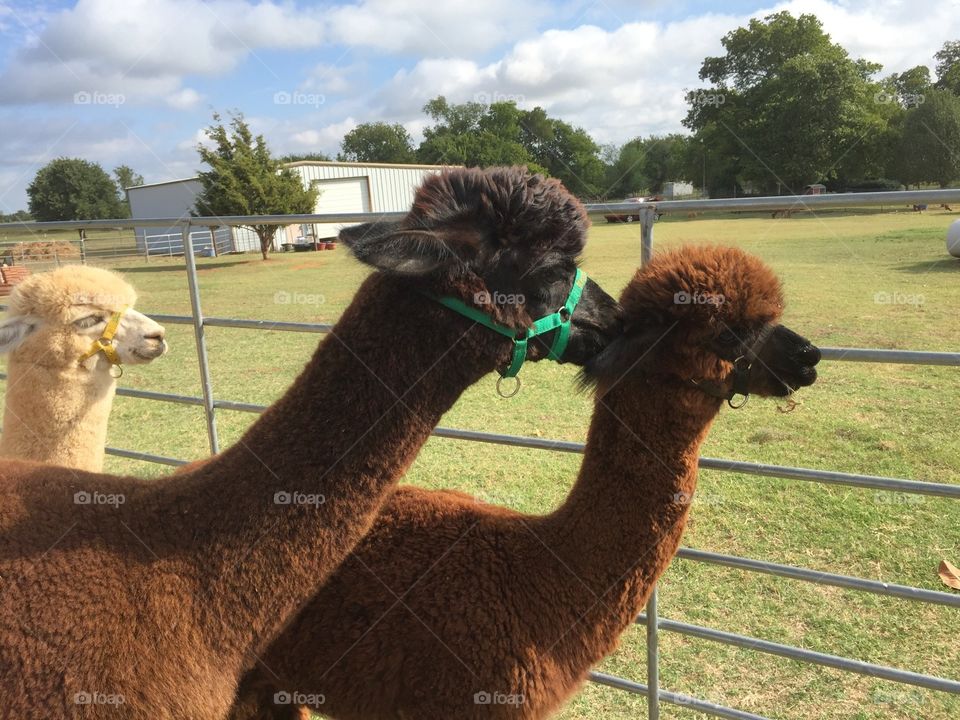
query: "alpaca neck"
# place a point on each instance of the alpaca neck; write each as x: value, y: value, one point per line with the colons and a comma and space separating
x: 57, y: 415
x: 270, y: 518
x: 623, y: 520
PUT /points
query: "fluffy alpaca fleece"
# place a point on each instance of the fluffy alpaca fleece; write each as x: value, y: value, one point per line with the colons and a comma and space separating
x: 151, y: 602
x: 57, y: 407
x: 450, y: 608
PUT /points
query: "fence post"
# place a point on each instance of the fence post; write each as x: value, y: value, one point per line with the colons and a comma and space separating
x: 199, y: 335
x: 83, y: 246
x: 653, y: 658
x: 647, y: 217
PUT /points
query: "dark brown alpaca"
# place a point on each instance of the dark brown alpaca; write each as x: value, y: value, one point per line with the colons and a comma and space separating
x: 151, y: 599
x: 450, y: 608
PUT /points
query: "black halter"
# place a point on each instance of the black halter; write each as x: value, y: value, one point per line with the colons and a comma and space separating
x: 740, y: 385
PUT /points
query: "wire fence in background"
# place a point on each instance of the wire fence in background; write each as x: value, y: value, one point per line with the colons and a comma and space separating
x: 653, y: 622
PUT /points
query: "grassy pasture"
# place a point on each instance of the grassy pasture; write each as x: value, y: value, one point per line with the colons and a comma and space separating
x: 867, y: 280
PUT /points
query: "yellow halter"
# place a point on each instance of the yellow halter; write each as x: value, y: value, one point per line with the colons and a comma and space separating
x: 104, y: 343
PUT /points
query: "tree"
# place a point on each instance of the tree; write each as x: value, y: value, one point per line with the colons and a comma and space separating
x: 474, y: 134
x: 73, y: 189
x: 625, y: 175
x: 377, y: 142
x: 18, y: 216
x: 711, y: 160
x: 911, y: 85
x: 645, y: 165
x: 479, y: 135
x: 567, y: 152
x: 948, y: 66
x: 930, y: 144
x: 244, y: 179
x: 794, y: 105
x: 663, y: 160
x: 126, y: 178
x: 305, y: 157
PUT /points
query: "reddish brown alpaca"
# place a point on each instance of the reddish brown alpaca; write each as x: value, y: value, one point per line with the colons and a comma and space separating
x: 448, y: 603
x: 153, y: 607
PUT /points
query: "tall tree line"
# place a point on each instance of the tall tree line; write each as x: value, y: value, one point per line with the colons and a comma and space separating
x: 783, y: 107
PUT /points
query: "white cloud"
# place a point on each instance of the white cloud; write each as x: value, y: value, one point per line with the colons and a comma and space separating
x: 171, y: 37
x: 144, y: 48
x: 327, y: 78
x: 617, y: 81
x: 199, y: 137
x: 6, y: 17
x: 428, y: 27
x: 302, y: 136
x: 617, y: 84
x: 29, y: 142
x: 184, y: 99
x: 631, y: 80
x: 22, y: 17
x: 899, y: 35
x: 286, y: 136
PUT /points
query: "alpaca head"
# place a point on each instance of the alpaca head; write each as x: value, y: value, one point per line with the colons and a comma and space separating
x: 503, y: 240
x: 697, y: 314
x: 55, y: 317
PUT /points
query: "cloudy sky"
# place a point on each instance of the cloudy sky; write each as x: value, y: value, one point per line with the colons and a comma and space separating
x: 135, y: 81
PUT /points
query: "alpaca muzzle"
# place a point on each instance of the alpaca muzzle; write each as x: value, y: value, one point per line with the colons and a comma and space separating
x: 738, y: 392
x: 104, y: 343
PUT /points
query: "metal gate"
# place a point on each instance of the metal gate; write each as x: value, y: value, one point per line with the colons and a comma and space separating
x: 647, y: 212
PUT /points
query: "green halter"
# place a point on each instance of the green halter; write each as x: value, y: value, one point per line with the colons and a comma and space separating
x: 559, y: 321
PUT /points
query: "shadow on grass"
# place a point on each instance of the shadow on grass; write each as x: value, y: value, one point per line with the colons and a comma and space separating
x: 147, y: 268
x: 945, y: 264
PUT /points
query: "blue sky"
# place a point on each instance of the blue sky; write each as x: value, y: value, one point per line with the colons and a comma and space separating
x: 135, y: 81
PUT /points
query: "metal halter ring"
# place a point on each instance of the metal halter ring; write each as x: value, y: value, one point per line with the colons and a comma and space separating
x: 516, y: 388
x: 737, y: 405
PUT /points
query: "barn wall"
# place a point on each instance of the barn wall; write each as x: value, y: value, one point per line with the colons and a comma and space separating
x: 388, y: 188
x: 391, y: 186
x: 171, y: 199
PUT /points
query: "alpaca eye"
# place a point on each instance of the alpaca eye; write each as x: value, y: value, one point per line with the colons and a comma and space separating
x: 89, y: 321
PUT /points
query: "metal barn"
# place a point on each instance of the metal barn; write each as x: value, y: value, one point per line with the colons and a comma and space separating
x: 343, y: 188
x: 176, y: 198
x: 349, y: 188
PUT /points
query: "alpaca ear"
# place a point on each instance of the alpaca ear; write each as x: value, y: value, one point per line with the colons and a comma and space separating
x: 404, y: 251
x: 14, y: 331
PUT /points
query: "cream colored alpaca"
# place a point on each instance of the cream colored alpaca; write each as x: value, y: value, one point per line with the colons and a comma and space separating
x: 58, y: 395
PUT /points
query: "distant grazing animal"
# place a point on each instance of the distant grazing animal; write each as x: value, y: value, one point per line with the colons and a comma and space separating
x: 150, y: 599
x: 60, y: 381
x: 451, y: 608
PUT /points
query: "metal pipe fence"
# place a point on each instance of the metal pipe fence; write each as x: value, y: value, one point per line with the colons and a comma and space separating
x: 39, y: 250
x: 647, y: 213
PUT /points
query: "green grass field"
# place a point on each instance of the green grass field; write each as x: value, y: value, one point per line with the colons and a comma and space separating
x: 879, y: 419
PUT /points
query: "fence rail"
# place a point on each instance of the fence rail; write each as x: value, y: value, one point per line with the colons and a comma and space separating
x: 647, y: 213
